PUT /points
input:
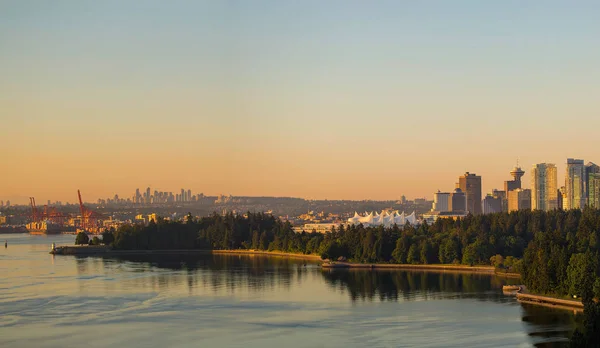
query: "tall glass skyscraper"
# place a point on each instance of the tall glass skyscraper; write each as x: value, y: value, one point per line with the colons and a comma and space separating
x: 544, y: 192
x: 575, y: 179
x: 594, y: 190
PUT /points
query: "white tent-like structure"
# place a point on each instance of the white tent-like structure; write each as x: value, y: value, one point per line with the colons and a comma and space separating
x: 386, y: 219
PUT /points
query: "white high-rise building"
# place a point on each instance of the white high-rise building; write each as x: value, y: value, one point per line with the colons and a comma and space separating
x: 440, y: 201
x: 544, y: 192
x: 575, y: 184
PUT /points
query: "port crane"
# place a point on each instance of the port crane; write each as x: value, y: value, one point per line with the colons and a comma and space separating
x: 89, y: 218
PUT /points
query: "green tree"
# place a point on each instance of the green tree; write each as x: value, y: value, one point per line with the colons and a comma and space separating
x: 413, y: 254
x: 580, y: 274
x: 255, y: 240
x: 108, y: 237
x: 400, y: 253
x: 82, y: 238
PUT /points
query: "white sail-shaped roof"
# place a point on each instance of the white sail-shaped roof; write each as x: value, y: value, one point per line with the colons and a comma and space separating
x: 386, y: 219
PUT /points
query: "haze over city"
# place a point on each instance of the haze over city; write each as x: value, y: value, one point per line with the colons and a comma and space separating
x: 337, y: 99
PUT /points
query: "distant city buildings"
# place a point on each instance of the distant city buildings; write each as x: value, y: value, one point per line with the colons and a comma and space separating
x: 590, y: 169
x: 575, y: 184
x: 594, y: 190
x: 544, y: 190
x: 470, y: 184
x: 458, y: 201
x: 492, y: 204
x: 441, y: 201
x: 519, y: 199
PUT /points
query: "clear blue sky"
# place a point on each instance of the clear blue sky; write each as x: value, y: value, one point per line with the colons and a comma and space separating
x: 317, y: 99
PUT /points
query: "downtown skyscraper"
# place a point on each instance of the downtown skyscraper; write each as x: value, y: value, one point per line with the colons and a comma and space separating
x: 470, y: 184
x: 575, y: 180
x: 544, y: 192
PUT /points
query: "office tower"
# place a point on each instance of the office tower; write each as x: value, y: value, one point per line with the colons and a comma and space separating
x: 470, y: 184
x: 491, y: 204
x: 575, y: 184
x: 519, y: 199
x: 182, y: 195
x: 138, y: 196
x: 148, y: 195
x: 594, y: 190
x: 503, y: 198
x: 441, y: 201
x: 458, y: 201
x: 189, y: 195
x: 590, y: 168
x: 543, y: 187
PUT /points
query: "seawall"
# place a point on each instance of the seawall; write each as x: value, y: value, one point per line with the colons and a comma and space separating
x: 452, y: 268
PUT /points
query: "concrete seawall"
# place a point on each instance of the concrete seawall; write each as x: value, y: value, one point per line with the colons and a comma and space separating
x: 523, y: 296
x: 452, y: 268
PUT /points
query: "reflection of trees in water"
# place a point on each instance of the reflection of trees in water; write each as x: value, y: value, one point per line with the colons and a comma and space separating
x: 548, y: 326
x: 409, y: 285
x: 217, y: 272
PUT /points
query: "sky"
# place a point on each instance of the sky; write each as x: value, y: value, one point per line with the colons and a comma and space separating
x: 314, y: 99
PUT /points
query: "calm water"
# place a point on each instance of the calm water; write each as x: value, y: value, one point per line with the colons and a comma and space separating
x: 241, y: 301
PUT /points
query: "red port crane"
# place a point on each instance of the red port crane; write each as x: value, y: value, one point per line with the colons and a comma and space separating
x: 35, y: 217
x: 89, y: 218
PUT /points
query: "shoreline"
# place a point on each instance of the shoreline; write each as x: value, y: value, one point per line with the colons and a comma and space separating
x: 266, y: 253
x: 521, y: 295
x: 433, y: 267
x: 100, y: 250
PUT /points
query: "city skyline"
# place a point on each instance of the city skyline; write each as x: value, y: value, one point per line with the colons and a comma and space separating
x: 334, y: 100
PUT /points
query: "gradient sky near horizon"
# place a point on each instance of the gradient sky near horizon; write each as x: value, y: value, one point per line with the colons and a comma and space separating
x: 314, y: 99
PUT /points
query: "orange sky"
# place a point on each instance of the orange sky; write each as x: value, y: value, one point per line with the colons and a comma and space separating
x: 277, y: 104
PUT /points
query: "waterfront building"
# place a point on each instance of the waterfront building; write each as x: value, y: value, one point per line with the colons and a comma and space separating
x: 519, y: 199
x: 386, y: 219
x: 492, y: 204
x: 434, y: 215
x: 594, y: 190
x: 319, y: 228
x: 470, y: 184
x: 544, y: 189
x: 575, y: 184
x: 441, y: 201
x: 458, y: 201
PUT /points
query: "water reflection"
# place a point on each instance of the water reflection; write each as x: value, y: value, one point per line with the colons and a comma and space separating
x: 229, y: 273
x: 259, y: 276
x: 391, y: 285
